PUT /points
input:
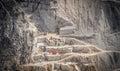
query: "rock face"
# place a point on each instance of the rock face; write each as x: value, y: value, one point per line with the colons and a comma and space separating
x: 15, y: 36
x: 59, y: 35
x: 96, y: 17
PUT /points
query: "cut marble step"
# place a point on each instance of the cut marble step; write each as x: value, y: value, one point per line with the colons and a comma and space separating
x: 73, y: 41
x: 67, y: 30
x: 33, y: 68
x: 41, y: 58
x: 65, y: 67
x: 50, y: 41
x: 68, y: 66
x: 74, y: 48
x: 50, y: 66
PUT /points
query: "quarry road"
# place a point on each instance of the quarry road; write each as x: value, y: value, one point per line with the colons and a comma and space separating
x: 72, y: 51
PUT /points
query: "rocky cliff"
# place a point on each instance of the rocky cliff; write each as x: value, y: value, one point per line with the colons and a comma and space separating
x: 59, y: 35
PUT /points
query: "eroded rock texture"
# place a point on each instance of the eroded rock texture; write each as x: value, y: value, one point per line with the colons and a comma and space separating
x: 59, y: 35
